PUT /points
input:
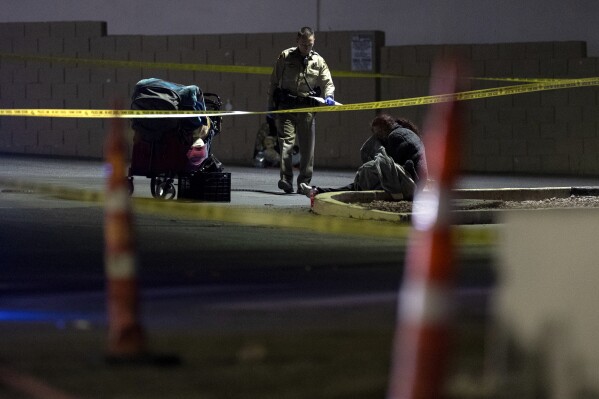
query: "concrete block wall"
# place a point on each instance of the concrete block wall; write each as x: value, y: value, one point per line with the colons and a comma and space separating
x: 33, y: 84
x: 551, y: 132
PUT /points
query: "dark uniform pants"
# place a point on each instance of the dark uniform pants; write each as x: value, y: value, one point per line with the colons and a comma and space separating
x: 290, y: 125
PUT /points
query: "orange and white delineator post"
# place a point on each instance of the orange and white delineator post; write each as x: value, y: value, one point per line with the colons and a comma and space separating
x: 126, y: 338
x: 422, y: 338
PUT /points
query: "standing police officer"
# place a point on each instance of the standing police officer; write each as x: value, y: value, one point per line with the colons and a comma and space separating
x: 299, y: 73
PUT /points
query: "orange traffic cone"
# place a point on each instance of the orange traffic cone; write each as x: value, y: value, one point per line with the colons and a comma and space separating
x: 422, y: 338
x: 126, y: 338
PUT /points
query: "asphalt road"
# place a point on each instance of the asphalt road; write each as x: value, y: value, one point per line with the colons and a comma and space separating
x: 209, y: 291
x: 201, y: 274
x: 200, y: 282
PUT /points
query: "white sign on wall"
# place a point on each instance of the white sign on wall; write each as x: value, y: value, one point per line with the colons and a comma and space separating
x: 362, y: 53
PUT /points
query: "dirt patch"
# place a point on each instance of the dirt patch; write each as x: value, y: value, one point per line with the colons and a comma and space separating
x: 573, y: 201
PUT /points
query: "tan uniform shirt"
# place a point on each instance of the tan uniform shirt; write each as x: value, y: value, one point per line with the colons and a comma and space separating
x: 298, y: 74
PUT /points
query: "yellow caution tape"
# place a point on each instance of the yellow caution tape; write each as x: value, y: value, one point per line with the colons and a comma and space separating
x: 113, y: 113
x: 470, y: 236
x: 521, y: 80
x: 246, y: 69
x: 479, y: 237
x: 461, y: 96
x: 406, y: 102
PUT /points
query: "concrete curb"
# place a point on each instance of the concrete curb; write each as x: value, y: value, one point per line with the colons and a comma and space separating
x: 347, y: 203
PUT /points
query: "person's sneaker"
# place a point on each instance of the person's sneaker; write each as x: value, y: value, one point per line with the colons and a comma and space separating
x: 286, y: 186
x: 304, y: 189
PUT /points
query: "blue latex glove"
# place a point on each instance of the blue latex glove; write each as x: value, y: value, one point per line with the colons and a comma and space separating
x: 329, y: 101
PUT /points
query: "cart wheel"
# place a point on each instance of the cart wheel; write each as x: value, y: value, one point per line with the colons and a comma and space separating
x: 166, y: 190
x: 130, y: 185
x: 154, y: 183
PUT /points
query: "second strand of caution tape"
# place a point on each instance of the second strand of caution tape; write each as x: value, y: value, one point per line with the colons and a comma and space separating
x: 475, y: 237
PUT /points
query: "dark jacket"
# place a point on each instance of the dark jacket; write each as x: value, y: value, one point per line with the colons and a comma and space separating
x: 402, y: 145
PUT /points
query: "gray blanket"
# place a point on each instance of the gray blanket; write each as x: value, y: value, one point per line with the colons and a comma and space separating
x: 382, y: 173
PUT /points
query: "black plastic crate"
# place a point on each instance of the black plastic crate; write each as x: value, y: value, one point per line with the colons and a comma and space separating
x: 210, y: 187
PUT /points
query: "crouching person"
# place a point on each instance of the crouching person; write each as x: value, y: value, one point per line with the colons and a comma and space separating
x: 393, y: 159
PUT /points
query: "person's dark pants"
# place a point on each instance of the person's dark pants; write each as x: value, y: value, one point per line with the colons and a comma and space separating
x: 349, y: 187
